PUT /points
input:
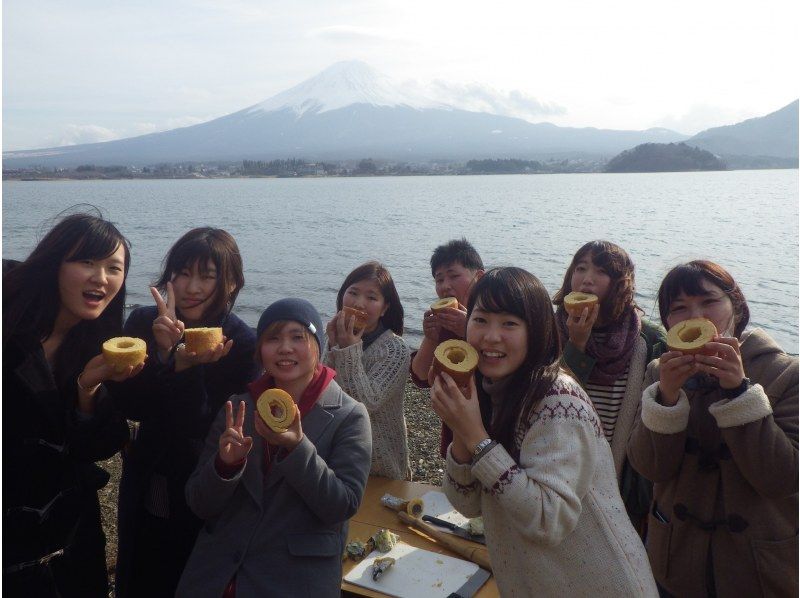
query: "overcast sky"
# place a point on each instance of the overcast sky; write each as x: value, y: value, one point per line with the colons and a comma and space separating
x: 78, y: 71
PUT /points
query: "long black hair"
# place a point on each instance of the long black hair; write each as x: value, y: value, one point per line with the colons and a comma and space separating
x: 31, y: 298
x: 518, y: 292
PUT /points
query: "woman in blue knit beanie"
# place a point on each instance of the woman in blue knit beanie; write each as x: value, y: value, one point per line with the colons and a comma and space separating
x: 276, y: 504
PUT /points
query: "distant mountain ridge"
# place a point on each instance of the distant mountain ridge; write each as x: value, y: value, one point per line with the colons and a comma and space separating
x: 348, y: 111
x: 772, y: 135
x: 351, y: 111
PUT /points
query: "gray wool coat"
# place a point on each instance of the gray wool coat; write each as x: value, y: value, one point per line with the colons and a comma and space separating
x: 283, y: 535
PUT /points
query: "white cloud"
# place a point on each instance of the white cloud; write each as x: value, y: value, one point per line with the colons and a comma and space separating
x: 349, y: 33
x: 484, y: 98
x: 77, y: 134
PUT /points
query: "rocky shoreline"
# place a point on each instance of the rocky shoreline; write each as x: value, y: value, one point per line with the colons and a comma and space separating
x: 423, y: 444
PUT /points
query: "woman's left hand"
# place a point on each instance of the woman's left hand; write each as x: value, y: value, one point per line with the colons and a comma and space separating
x: 185, y: 360
x: 288, y: 439
x: 344, y: 331
x: 726, y: 365
x: 461, y: 414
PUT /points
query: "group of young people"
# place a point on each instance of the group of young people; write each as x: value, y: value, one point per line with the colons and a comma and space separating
x: 602, y: 462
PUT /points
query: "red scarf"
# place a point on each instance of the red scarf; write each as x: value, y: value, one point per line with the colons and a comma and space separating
x: 322, y: 377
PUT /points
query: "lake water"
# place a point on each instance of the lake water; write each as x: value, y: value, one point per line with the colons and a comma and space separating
x: 300, y: 237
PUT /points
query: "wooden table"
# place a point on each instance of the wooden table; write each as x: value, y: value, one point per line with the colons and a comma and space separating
x: 373, y: 516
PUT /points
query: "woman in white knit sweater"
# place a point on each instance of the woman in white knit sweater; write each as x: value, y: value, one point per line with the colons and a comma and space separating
x: 542, y: 476
x: 372, y: 364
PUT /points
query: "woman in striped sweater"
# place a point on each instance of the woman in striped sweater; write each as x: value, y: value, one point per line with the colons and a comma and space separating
x: 608, y: 347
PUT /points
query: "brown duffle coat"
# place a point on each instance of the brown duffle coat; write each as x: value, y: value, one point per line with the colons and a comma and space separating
x: 725, y: 511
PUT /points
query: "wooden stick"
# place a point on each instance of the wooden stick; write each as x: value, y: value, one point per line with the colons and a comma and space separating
x: 476, y: 554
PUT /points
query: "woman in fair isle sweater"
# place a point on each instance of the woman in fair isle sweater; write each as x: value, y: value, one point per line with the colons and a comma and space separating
x: 529, y: 455
x: 371, y: 363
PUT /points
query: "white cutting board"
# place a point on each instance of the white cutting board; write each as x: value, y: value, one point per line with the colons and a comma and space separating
x: 416, y: 573
x: 436, y: 505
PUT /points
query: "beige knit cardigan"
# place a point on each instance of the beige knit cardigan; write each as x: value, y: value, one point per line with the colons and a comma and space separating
x: 377, y: 377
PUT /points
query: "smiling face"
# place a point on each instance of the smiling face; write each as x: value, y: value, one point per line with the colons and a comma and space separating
x: 454, y: 280
x: 195, y: 289
x: 87, y: 286
x: 714, y: 305
x: 365, y: 295
x: 590, y: 278
x: 501, y: 340
x: 288, y: 353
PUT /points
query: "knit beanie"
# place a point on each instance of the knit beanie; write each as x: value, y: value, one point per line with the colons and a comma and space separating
x: 296, y: 310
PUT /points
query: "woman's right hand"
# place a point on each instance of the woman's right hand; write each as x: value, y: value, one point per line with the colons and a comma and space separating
x: 580, y: 326
x: 233, y: 444
x: 167, y: 328
x: 674, y: 370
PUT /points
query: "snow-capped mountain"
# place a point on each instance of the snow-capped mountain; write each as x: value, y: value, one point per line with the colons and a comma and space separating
x: 344, y: 84
x: 348, y: 111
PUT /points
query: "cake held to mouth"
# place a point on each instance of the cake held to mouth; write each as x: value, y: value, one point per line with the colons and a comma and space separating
x: 456, y: 357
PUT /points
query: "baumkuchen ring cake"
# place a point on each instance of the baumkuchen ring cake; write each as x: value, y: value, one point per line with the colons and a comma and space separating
x: 360, y: 316
x: 124, y: 351
x: 690, y: 336
x: 200, y: 340
x: 444, y: 303
x: 576, y: 301
x: 456, y: 357
x: 276, y: 408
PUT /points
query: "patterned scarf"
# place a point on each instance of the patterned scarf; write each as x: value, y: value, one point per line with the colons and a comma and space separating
x: 613, y: 355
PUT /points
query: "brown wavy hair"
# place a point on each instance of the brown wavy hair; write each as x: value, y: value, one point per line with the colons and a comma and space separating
x: 619, y: 267
x: 686, y: 278
x: 198, y: 246
x: 393, y: 318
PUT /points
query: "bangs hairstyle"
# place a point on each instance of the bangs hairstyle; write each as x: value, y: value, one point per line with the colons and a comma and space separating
x: 687, y: 278
x: 198, y: 246
x: 520, y: 293
x: 375, y: 271
x: 620, y: 269
x: 457, y: 251
x: 276, y: 328
x: 31, y: 297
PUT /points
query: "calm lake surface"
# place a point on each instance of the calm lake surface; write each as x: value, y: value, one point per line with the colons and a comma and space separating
x: 300, y: 237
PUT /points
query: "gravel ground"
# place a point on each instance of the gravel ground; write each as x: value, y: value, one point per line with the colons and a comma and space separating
x: 423, y: 444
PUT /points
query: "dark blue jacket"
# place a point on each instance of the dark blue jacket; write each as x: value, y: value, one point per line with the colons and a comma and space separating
x: 174, y: 411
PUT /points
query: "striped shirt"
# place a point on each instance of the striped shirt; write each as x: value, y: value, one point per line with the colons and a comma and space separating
x: 607, y: 398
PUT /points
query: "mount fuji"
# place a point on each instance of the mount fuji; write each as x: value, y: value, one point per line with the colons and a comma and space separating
x: 348, y: 111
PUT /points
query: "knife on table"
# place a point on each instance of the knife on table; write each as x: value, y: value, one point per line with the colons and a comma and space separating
x: 472, y: 585
x: 457, y: 530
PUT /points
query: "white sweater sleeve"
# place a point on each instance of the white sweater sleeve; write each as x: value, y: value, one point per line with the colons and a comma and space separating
x: 462, y: 489
x: 543, y: 492
x: 384, y: 378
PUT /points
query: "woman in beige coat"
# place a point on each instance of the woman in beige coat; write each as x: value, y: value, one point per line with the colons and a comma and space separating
x: 718, y: 436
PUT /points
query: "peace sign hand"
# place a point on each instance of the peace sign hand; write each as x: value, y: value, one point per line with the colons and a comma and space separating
x: 167, y: 328
x: 233, y: 444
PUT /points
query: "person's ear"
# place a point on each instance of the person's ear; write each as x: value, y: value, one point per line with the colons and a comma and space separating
x: 479, y: 273
x: 385, y: 309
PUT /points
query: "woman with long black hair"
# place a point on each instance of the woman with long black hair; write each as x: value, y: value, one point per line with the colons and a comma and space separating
x: 59, y: 305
